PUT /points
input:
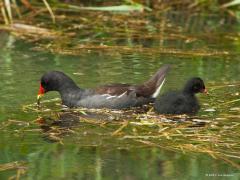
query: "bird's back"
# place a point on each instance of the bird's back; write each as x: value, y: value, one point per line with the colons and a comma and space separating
x: 176, y: 103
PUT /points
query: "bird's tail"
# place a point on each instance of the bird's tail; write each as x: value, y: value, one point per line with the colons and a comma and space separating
x: 152, y: 87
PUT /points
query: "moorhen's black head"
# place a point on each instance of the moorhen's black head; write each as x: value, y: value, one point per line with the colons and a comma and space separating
x: 195, y: 85
x: 54, y: 81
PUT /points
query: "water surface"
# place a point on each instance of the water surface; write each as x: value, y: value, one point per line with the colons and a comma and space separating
x: 203, y: 47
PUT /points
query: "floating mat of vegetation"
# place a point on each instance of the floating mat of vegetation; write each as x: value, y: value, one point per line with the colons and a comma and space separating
x: 213, y: 136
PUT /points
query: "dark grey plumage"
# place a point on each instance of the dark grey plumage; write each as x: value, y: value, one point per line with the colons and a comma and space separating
x: 115, y: 96
x: 181, y: 102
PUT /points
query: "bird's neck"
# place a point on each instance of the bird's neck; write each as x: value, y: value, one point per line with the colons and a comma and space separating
x: 71, y: 95
x: 188, y: 92
x: 69, y: 88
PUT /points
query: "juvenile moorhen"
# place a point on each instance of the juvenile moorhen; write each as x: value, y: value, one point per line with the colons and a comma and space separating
x: 181, y: 102
x: 113, y: 96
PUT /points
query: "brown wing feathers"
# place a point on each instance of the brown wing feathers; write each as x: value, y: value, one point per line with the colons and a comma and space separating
x: 114, y: 89
x: 147, y: 89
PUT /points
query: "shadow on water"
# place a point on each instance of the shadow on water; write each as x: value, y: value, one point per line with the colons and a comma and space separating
x: 51, y: 144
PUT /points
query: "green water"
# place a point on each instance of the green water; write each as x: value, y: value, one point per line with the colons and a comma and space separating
x: 91, y: 152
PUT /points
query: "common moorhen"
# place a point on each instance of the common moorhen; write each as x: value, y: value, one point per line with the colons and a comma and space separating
x: 113, y: 96
x: 181, y: 102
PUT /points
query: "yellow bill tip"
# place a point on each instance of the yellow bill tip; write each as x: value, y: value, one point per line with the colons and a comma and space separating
x: 39, y: 98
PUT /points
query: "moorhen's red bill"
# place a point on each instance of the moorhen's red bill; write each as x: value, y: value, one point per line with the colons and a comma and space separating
x: 114, y: 96
x: 181, y: 102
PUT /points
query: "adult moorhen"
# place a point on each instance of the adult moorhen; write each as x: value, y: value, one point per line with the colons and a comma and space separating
x: 113, y: 96
x: 181, y: 102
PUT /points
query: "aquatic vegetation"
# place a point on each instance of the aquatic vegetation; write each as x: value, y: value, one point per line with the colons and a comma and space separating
x: 10, y: 9
x: 213, y: 135
x: 19, y: 166
x: 130, y: 129
x: 91, y: 45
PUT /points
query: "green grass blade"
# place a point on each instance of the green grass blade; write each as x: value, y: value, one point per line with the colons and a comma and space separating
x: 120, y: 8
x: 9, y: 11
x: 232, y: 3
x: 50, y: 10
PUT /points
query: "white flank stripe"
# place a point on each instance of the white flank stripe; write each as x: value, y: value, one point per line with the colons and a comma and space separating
x: 121, y: 95
x: 156, y: 93
x: 105, y: 95
x: 108, y: 96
